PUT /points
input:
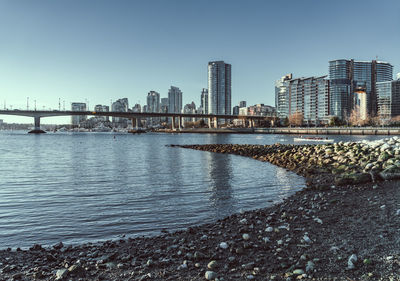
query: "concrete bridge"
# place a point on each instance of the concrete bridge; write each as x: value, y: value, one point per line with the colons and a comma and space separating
x: 134, y: 116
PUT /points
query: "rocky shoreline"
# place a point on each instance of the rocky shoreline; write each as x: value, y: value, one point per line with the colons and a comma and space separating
x: 344, y: 226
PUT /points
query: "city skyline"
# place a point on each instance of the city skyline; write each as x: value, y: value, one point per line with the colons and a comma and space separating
x: 106, y: 52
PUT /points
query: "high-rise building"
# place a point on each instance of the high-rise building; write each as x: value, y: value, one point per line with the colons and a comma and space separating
x: 348, y: 75
x: 120, y: 105
x: 164, y: 108
x: 398, y: 76
x: 76, y: 119
x: 388, y: 97
x: 242, y: 103
x: 137, y: 108
x: 164, y: 105
x: 235, y: 110
x: 309, y: 97
x: 174, y: 100
x: 153, y: 105
x: 219, y: 88
x: 102, y: 108
x: 153, y: 102
x: 190, y: 108
x: 282, y: 96
x: 204, y: 101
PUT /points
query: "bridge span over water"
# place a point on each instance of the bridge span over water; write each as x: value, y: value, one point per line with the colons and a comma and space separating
x: 134, y: 116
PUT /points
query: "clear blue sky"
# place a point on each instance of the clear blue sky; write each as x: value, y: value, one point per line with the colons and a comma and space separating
x: 101, y: 50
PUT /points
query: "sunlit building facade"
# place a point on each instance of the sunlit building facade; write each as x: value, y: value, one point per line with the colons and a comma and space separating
x: 360, y: 103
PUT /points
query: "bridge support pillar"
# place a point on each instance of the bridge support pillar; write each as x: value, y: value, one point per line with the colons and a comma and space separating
x: 180, y: 123
x: 173, y: 124
x: 209, y: 122
x: 135, y: 123
x: 37, y: 126
x: 216, y: 122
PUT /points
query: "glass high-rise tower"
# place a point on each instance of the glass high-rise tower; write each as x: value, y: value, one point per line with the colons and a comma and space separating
x: 349, y: 76
x: 219, y: 88
x: 174, y: 100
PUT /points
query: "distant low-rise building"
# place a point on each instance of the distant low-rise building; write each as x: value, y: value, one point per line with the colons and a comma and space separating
x: 261, y: 110
x: 77, y: 119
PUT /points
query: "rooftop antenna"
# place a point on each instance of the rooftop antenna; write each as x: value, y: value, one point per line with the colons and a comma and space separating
x: 5, y: 105
x: 27, y: 103
x: 63, y: 105
x: 35, y: 105
x: 59, y: 104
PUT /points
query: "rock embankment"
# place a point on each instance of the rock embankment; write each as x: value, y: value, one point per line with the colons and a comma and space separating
x: 340, y: 163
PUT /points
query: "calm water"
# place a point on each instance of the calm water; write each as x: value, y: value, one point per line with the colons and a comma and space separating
x: 89, y: 186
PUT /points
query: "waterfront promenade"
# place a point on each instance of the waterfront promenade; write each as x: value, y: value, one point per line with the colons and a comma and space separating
x: 296, y: 130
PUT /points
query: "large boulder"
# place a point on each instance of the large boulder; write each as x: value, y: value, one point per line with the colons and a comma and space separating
x: 390, y: 173
x: 353, y: 178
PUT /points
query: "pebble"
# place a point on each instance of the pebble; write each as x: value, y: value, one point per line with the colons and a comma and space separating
x: 223, y: 245
x: 318, y: 220
x: 269, y: 229
x: 210, y: 275
x: 298, y: 271
x: 246, y: 236
x: 310, y: 266
x: 350, y: 263
x: 307, y: 239
x: 61, y: 273
x: 212, y: 264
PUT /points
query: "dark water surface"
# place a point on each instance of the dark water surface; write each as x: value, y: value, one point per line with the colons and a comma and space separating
x: 80, y: 187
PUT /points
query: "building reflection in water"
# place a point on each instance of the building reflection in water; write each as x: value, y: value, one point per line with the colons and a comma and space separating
x: 285, y: 180
x: 220, y: 175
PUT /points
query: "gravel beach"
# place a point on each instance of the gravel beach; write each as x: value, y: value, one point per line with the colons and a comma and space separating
x: 344, y: 226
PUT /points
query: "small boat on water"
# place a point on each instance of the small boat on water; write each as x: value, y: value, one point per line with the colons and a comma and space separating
x: 314, y: 139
